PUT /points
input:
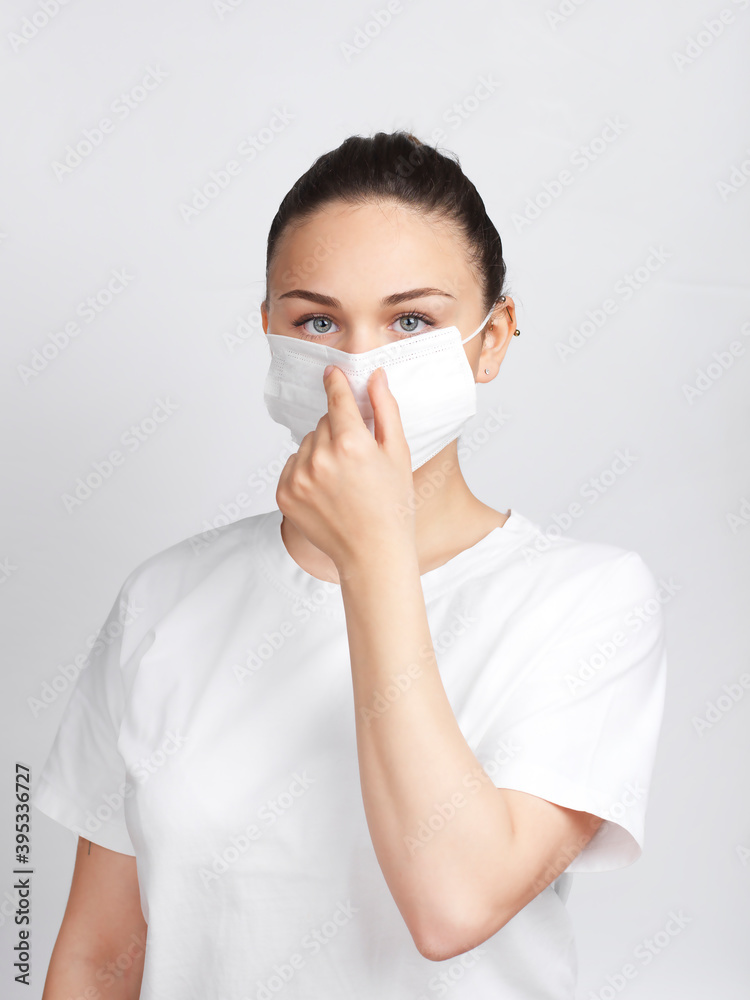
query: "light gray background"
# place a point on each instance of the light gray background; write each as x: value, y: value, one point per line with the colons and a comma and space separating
x: 656, y: 185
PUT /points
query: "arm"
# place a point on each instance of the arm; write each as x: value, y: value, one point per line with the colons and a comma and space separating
x: 101, y: 944
x: 351, y: 493
x: 459, y: 884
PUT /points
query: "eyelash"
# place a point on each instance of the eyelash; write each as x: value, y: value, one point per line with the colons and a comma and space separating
x: 313, y: 336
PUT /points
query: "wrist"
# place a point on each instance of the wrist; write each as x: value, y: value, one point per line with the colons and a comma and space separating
x: 387, y: 558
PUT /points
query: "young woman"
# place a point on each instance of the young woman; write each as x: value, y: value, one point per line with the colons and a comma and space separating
x: 356, y: 746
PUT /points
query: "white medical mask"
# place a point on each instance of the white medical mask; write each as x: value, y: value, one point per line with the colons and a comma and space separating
x: 429, y: 375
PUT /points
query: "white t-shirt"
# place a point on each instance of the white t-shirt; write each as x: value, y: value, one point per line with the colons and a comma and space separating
x: 212, y: 735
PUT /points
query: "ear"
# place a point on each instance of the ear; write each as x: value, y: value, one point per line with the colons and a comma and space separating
x: 497, y: 337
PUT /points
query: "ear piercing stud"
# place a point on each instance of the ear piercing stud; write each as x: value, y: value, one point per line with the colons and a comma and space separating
x: 516, y: 333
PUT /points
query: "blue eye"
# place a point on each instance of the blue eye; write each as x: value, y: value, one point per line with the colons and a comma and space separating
x: 419, y: 317
x: 301, y: 325
x: 320, y: 319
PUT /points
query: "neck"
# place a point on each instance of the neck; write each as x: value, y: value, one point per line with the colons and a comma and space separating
x: 448, y: 519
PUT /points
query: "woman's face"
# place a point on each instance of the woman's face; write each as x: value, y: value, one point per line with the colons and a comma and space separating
x: 358, y: 277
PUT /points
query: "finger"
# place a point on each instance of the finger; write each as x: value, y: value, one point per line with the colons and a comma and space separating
x: 321, y: 436
x: 343, y: 412
x: 320, y: 433
x: 387, y: 426
x: 288, y: 469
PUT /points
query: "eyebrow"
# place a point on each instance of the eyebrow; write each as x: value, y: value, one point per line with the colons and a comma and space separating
x: 389, y: 300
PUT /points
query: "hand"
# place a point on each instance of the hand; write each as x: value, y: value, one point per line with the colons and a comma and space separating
x: 349, y: 492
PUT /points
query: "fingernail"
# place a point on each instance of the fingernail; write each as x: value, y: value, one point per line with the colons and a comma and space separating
x: 328, y: 369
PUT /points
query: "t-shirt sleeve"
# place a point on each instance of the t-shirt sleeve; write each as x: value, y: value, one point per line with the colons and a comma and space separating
x: 83, y: 782
x: 581, y: 726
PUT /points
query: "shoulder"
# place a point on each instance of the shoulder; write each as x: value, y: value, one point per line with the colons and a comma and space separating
x: 580, y: 576
x: 168, y: 576
x: 188, y: 561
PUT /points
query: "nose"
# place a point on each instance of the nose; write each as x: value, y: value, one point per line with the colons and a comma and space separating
x: 361, y: 339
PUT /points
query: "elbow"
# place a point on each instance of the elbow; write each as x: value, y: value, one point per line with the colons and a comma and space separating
x: 430, y: 946
x: 448, y: 938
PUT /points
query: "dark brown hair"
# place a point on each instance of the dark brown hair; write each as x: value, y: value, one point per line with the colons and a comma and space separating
x: 398, y: 166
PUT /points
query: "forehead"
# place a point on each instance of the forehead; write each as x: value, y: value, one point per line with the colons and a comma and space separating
x: 382, y: 242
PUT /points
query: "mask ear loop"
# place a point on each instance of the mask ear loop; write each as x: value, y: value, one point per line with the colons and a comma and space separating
x: 481, y: 325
